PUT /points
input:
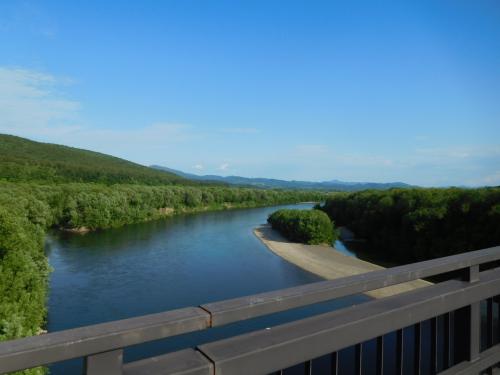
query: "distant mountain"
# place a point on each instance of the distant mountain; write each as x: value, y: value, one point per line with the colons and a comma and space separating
x: 269, y: 183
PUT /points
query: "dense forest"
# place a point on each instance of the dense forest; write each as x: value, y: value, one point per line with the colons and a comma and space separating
x: 312, y: 227
x: 25, y: 160
x: 44, y: 186
x: 406, y: 225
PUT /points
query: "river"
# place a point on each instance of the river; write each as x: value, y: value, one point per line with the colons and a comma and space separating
x: 177, y: 262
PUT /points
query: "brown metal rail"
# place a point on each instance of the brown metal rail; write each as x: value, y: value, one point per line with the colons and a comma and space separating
x: 457, y: 302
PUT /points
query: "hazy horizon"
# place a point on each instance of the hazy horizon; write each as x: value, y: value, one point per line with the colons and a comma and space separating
x: 309, y: 91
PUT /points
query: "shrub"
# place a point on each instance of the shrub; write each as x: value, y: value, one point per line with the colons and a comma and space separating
x: 306, y: 226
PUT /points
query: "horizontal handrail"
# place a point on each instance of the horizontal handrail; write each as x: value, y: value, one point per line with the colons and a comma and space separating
x: 283, y: 346
x: 79, y: 342
x: 59, y: 346
x: 237, y: 309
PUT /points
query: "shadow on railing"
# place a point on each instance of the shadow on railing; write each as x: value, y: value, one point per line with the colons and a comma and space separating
x: 451, y: 327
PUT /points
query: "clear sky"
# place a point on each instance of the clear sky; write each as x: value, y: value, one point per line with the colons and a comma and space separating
x: 313, y: 90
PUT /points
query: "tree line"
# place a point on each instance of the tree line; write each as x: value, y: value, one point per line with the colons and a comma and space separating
x: 407, y: 225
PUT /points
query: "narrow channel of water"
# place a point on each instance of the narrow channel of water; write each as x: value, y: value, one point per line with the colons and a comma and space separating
x: 167, y: 264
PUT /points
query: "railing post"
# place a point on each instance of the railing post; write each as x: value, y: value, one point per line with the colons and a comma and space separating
x: 475, y: 318
x: 334, y: 367
x: 467, y: 324
x: 434, y: 346
x: 399, y: 351
x: 380, y: 355
x: 358, y: 349
x: 107, y: 363
x: 447, y: 339
x: 417, y: 361
x: 308, y: 368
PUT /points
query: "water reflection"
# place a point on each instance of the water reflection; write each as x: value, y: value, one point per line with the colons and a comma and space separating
x: 162, y: 265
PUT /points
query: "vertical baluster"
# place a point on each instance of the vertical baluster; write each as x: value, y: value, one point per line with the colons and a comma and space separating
x: 498, y: 319
x: 359, y: 358
x: 334, y: 364
x: 475, y: 331
x: 399, y: 351
x: 434, y: 346
x: 467, y: 324
x: 489, y: 322
x: 462, y: 334
x: 308, y: 368
x: 489, y: 328
x: 467, y: 333
x: 473, y: 317
x: 380, y: 355
x: 446, y: 341
x: 417, y: 363
x: 497, y: 299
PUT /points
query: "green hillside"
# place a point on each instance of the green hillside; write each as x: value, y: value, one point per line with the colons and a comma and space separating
x: 25, y: 160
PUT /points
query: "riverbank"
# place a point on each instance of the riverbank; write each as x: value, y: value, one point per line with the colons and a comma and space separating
x: 29, y: 209
x: 166, y: 212
x: 327, y: 262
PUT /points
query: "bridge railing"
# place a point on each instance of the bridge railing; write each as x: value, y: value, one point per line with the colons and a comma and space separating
x: 452, y: 307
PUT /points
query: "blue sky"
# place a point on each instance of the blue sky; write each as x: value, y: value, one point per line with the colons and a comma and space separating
x: 312, y: 90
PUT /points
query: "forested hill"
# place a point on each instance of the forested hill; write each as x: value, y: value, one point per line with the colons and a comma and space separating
x: 25, y: 160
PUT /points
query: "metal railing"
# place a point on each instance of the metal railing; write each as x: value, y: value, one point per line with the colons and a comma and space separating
x: 453, y: 308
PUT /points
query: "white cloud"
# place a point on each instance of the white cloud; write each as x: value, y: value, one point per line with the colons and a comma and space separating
x: 320, y: 153
x: 459, y: 152
x: 155, y: 134
x: 145, y: 145
x: 492, y: 179
x: 30, y: 104
x: 36, y: 105
x: 33, y: 105
x: 223, y: 167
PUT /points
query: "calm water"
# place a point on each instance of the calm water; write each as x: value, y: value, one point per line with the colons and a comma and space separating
x: 177, y: 262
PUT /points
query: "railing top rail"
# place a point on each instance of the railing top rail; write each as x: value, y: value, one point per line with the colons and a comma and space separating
x: 63, y: 345
x: 78, y: 342
x: 283, y: 346
x: 241, y: 308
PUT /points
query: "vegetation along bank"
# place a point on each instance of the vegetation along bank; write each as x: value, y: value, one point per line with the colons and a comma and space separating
x: 408, y: 225
x: 45, y: 185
